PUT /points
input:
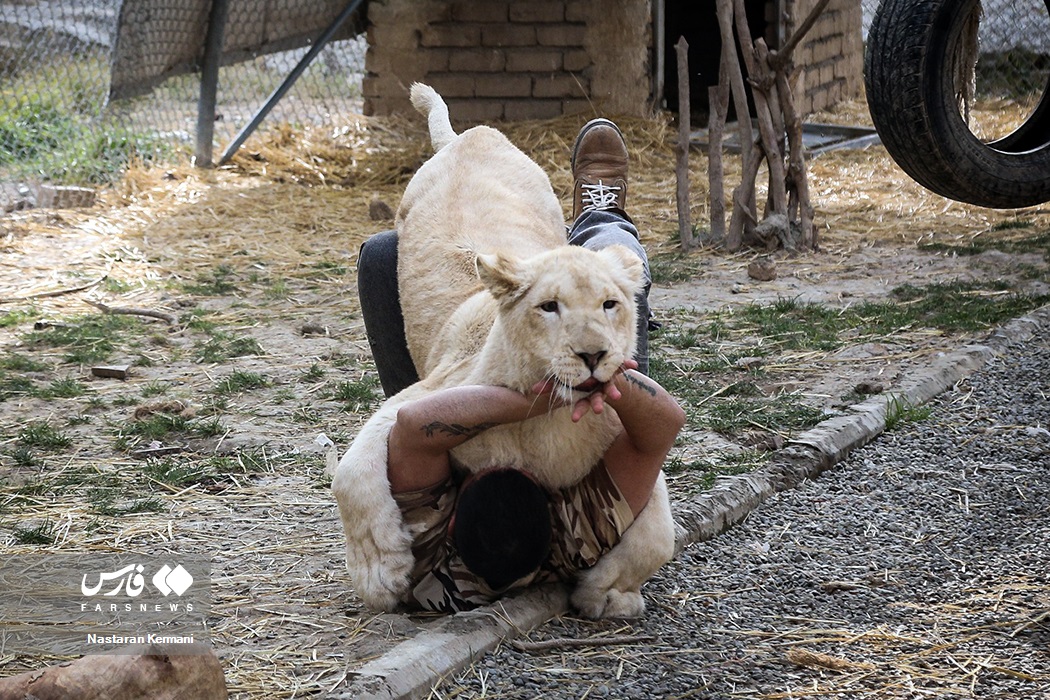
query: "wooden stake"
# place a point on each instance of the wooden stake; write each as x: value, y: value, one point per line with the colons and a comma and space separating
x: 718, y: 101
x: 735, y: 79
x: 796, y: 172
x: 761, y: 78
x: 685, y: 227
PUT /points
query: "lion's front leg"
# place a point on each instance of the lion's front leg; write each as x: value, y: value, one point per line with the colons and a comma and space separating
x: 378, y: 548
x: 612, y: 587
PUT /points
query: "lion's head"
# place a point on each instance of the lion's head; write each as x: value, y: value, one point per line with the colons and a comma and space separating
x: 568, y: 314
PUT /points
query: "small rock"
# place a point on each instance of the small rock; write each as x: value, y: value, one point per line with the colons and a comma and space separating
x: 378, y: 210
x: 173, y: 407
x: 111, y: 371
x: 64, y: 197
x: 763, y: 270
x: 749, y: 363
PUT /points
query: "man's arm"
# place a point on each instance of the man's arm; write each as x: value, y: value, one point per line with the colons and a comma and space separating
x: 427, y: 428
x: 651, y: 421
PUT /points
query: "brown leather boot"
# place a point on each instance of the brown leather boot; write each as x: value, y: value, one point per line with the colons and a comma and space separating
x: 599, y: 167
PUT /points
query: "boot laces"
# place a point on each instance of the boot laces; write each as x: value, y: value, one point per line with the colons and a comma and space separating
x: 599, y: 196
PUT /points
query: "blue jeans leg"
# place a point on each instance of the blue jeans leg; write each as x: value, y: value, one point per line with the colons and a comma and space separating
x: 381, y: 310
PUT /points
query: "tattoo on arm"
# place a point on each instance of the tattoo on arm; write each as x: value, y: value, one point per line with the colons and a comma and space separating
x: 640, y: 383
x: 455, y: 429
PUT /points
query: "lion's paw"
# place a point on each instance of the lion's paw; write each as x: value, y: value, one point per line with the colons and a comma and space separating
x: 380, y: 573
x: 608, y: 603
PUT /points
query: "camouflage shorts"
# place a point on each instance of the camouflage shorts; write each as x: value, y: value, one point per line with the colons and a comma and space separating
x: 588, y: 519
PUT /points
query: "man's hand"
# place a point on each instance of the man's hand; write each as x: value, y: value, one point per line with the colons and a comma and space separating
x: 594, y: 402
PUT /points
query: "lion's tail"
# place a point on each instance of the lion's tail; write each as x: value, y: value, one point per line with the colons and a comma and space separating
x: 426, y: 100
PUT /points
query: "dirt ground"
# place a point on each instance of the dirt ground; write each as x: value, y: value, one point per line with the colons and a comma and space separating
x: 265, y: 351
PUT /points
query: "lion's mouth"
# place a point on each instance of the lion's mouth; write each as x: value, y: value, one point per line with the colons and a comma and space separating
x: 588, y: 386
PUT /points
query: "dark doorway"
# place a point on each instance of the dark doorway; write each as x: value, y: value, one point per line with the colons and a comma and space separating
x: 697, y: 21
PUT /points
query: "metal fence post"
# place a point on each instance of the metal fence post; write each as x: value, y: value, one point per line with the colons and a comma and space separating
x: 210, y: 82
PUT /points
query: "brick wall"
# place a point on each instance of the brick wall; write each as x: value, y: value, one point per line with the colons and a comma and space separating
x: 831, y: 56
x: 531, y: 59
x: 509, y: 59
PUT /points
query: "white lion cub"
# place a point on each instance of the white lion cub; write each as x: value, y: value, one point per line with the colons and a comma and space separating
x: 481, y: 243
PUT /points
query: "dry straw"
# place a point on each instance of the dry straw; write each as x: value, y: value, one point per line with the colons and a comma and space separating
x: 292, y: 205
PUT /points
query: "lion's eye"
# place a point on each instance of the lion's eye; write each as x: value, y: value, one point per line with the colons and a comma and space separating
x: 550, y: 307
x: 609, y: 304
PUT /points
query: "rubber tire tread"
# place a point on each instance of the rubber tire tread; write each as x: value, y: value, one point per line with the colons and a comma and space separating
x: 920, y: 126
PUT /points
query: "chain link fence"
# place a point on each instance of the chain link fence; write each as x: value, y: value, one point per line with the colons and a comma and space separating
x: 58, y: 125
x: 1014, y: 40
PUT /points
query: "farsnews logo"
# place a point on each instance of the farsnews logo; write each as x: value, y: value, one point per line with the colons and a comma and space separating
x: 130, y: 579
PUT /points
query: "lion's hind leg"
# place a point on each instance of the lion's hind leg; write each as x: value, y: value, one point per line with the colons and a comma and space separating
x: 612, y: 587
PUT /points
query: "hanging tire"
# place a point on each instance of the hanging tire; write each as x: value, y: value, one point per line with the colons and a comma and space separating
x: 912, y: 46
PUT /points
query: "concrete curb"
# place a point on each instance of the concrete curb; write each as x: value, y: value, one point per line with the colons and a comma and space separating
x: 411, y: 668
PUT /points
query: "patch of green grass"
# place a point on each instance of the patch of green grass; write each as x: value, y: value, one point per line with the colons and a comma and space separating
x: 244, y: 462
x: 306, y: 414
x: 952, y: 307
x: 327, y: 269
x: 22, y: 456
x: 15, y: 385
x: 964, y: 306
x: 87, y: 339
x: 359, y: 395
x: 239, y: 381
x: 107, y: 501
x: 217, y: 282
x: 41, y: 534
x: 198, y: 320
x: 704, y: 472
x: 112, y: 284
x: 1034, y: 243
x: 794, y: 325
x: 899, y: 411
x: 58, y: 131
x: 221, y: 347
x: 42, y: 435
x: 668, y: 268
x: 9, y: 319
x: 158, y: 426
x: 178, y: 473
x: 784, y: 414
x: 314, y: 374
x: 22, y: 363
x: 278, y: 289
x: 65, y: 388
x: 154, y: 388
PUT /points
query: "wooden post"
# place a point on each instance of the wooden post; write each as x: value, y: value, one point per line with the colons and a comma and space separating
x: 761, y: 79
x: 743, y: 206
x: 796, y: 161
x: 718, y: 101
x: 685, y: 227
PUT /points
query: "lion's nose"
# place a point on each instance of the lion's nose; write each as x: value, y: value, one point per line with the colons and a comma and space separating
x: 591, y: 359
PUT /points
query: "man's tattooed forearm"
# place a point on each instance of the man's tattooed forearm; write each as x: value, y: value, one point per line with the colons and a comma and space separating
x: 455, y: 429
x: 637, y: 381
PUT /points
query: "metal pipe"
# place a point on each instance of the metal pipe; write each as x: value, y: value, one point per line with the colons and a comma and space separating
x: 300, y: 67
x: 210, y: 82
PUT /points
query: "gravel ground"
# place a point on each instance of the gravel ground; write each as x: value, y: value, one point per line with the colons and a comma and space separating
x: 919, y: 567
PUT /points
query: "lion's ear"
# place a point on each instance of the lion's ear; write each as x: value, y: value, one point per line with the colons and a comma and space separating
x: 502, y: 276
x: 634, y: 271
